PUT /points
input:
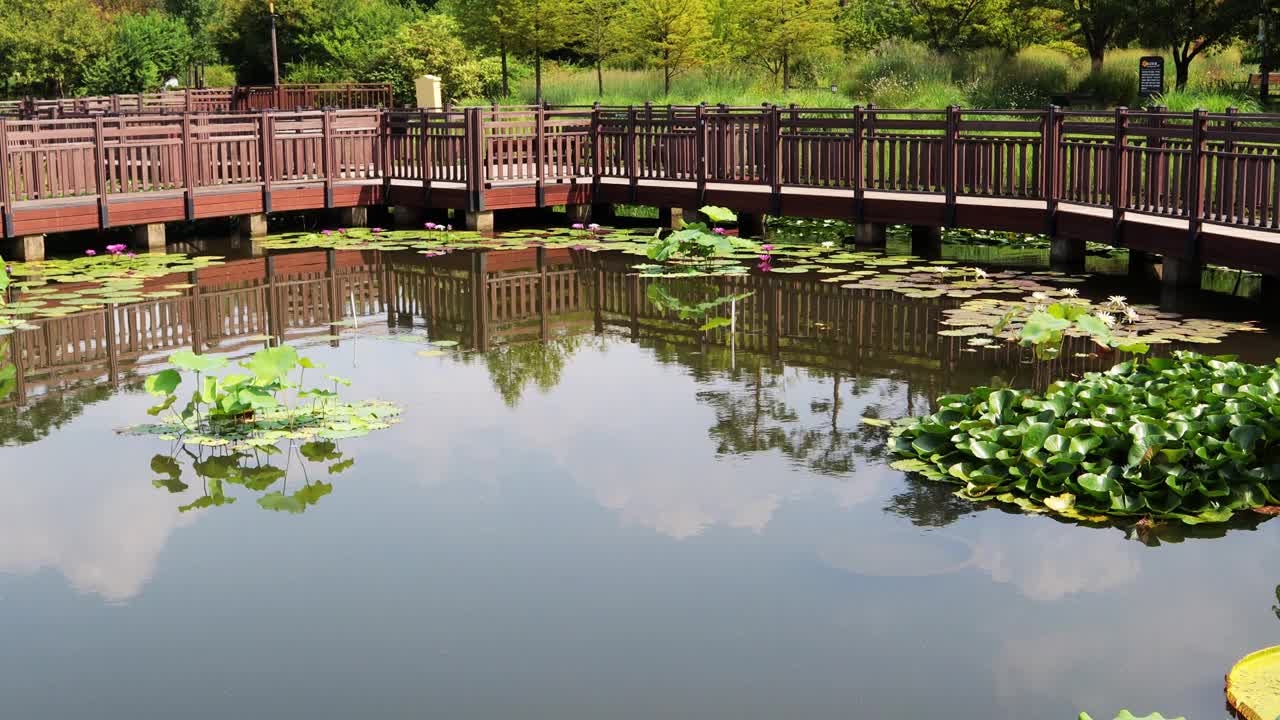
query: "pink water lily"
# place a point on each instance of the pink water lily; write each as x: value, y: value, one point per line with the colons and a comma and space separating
x: 375, y: 231
x: 430, y: 226
x: 326, y: 232
x: 719, y: 231
x: 116, y: 249
x: 577, y: 226
x: 90, y: 253
x: 593, y: 227
x: 766, y: 248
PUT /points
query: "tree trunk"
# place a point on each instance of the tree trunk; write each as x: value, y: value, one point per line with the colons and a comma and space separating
x: 537, y: 77
x: 786, y: 71
x: 666, y: 73
x: 1181, y: 69
x: 506, y: 75
x: 599, y: 78
x: 1096, y: 56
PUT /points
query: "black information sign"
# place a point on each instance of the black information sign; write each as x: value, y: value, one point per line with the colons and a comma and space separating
x: 1151, y: 76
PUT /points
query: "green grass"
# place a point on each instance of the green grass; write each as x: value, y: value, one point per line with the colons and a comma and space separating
x: 903, y: 74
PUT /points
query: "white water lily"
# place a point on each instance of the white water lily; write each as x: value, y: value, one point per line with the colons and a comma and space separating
x: 1117, y: 301
x: 980, y: 274
x: 828, y: 243
x: 1039, y: 296
x: 1107, y: 319
x: 1070, y: 292
x: 1131, y: 315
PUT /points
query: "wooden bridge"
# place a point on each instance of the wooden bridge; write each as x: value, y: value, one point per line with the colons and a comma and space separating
x: 1191, y: 187
x: 287, y: 96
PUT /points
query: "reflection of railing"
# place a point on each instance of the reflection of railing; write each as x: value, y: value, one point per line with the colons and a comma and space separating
x: 485, y: 298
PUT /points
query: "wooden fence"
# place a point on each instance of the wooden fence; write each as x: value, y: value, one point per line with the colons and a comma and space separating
x: 1195, y: 167
x: 289, y: 96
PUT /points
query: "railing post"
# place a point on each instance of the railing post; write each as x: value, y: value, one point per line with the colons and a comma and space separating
x: 859, y: 167
x: 6, y: 202
x: 99, y: 173
x: 700, y: 151
x: 1222, y: 202
x: 633, y: 142
x: 115, y: 103
x: 1195, y: 189
x: 424, y: 155
x: 539, y: 150
x: 188, y: 181
x: 950, y: 170
x: 266, y: 154
x: 477, y: 163
x: 773, y: 124
x: 328, y: 155
x: 1049, y: 144
x: 187, y: 99
x: 384, y: 152
x: 1119, y: 189
x: 869, y: 143
x: 597, y: 163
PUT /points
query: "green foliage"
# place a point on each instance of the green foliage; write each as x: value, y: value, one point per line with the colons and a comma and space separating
x: 431, y: 45
x: 1029, y: 79
x: 1043, y: 328
x: 895, y: 62
x: 252, y: 410
x: 1192, y: 438
x: 4, y: 280
x: 1192, y: 99
x: 669, y: 35
x: 1192, y: 27
x: 145, y: 51
x: 775, y: 34
x: 695, y: 240
x: 663, y: 300
x: 46, y: 44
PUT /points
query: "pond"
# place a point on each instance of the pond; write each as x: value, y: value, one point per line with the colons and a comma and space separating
x: 590, y: 508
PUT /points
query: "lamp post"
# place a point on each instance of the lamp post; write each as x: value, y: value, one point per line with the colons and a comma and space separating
x: 275, y: 55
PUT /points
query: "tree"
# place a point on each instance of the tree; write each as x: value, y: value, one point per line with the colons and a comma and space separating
x: 201, y: 18
x: 669, y: 35
x: 144, y: 51
x: 1190, y: 27
x: 538, y: 27
x: 487, y: 25
x: 431, y: 46
x: 1098, y: 24
x: 596, y: 35
x: 46, y: 44
x: 775, y: 32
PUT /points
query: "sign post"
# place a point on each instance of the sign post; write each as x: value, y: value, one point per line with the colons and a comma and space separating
x: 1150, y: 76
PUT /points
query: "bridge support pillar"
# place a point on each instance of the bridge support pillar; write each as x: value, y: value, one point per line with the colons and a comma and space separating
x: 27, y: 248
x: 353, y: 217
x: 254, y: 225
x: 752, y: 225
x: 1066, y: 252
x: 407, y: 217
x: 603, y: 213
x: 1180, y: 273
x: 870, y: 234
x: 670, y: 218
x: 1142, y: 265
x: 926, y: 241
x: 149, y: 237
x: 1269, y: 292
x: 480, y: 221
x: 580, y: 213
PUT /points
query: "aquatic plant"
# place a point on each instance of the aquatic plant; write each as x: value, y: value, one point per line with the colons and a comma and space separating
x: 1126, y: 715
x: 667, y: 302
x: 1044, y: 325
x: 697, y: 241
x: 252, y: 410
x: 1191, y: 438
x: 1253, y: 685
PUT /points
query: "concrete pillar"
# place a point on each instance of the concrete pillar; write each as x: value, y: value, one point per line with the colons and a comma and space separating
x: 1066, y: 251
x: 406, y: 216
x: 149, y: 238
x: 926, y: 241
x: 1269, y: 293
x: 579, y: 213
x: 1142, y: 265
x: 1179, y: 273
x: 670, y: 218
x: 870, y: 234
x: 353, y: 217
x: 752, y: 225
x: 28, y: 248
x: 426, y: 90
x: 481, y: 221
x: 253, y: 225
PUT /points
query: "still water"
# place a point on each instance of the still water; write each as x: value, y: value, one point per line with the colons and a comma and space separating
x: 587, y: 512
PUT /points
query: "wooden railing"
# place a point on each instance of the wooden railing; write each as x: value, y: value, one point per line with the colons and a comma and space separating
x: 308, y: 96
x: 1195, y: 167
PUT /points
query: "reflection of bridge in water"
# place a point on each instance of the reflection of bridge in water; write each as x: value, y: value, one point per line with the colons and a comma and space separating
x: 483, y: 299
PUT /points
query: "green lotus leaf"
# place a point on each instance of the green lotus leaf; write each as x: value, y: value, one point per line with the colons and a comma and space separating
x: 187, y: 360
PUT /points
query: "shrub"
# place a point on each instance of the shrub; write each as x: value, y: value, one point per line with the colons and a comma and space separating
x: 894, y: 64
x: 145, y: 51
x: 1029, y: 79
x: 1191, y: 438
x: 1110, y: 86
x: 1211, y: 100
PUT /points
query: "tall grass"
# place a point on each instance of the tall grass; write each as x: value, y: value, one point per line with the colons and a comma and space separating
x: 905, y: 74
